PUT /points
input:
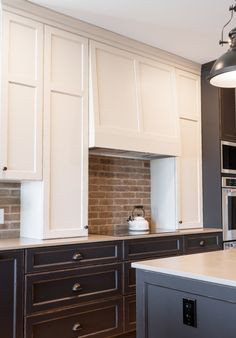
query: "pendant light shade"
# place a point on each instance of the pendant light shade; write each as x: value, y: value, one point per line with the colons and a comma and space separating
x: 223, y: 72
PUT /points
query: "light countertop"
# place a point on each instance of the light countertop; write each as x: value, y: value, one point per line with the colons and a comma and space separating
x: 214, y: 267
x: 22, y: 243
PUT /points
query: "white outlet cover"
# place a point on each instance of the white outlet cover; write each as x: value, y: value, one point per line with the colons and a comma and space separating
x: 1, y: 216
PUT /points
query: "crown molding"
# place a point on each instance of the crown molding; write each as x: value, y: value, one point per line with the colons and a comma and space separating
x: 50, y: 17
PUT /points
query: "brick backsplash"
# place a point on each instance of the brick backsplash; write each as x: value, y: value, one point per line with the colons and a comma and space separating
x: 116, y: 185
x: 10, y: 202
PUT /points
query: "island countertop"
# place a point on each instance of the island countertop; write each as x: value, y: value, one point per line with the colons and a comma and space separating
x: 215, y: 267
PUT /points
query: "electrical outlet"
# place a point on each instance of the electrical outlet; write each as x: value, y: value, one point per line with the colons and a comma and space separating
x: 190, y: 312
x: 1, y: 216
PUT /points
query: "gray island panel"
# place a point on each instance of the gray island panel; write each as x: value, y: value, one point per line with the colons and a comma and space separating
x: 160, y: 303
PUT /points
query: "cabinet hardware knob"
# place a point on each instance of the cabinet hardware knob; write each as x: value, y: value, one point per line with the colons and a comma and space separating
x: 4, y: 169
x: 77, y: 256
x: 77, y: 327
x: 76, y: 287
x: 202, y: 243
x: 180, y: 222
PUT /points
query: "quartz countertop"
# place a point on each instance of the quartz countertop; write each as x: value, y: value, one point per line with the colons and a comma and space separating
x: 23, y: 243
x: 214, y: 267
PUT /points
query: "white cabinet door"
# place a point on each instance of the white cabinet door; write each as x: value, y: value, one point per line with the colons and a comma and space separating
x: 57, y: 207
x: 114, y: 111
x: 190, y: 176
x: 21, y: 109
x: 188, y: 88
x: 65, y: 133
x: 132, y: 103
x: 158, y: 106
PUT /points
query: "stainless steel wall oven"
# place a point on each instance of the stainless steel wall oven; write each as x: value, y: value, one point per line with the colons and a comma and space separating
x: 229, y: 208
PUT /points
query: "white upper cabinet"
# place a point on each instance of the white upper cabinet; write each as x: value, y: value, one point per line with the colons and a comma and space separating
x: 157, y: 97
x: 189, y: 176
x: 59, y: 203
x: 21, y: 104
x: 188, y: 87
x: 65, y: 133
x: 132, y: 102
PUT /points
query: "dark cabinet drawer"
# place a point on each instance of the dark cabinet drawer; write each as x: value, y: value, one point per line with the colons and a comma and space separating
x: 153, y: 247
x: 52, y: 290
x: 201, y: 243
x: 130, y: 313
x: 103, y: 319
x: 69, y: 256
x: 129, y: 278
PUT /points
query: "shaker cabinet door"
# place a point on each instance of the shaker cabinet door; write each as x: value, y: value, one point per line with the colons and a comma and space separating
x: 11, y: 294
x: 227, y: 114
x: 21, y: 110
x: 65, y: 132
x: 114, y: 111
x: 190, y: 176
x: 188, y: 91
x: 159, y: 122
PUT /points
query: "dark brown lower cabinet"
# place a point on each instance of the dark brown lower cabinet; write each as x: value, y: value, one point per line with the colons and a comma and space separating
x: 85, y: 290
x: 11, y: 294
x: 130, y: 312
x: 52, y: 290
x: 102, y: 319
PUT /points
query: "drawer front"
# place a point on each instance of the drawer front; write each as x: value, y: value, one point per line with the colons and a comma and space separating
x: 103, y: 319
x: 48, y: 291
x: 153, y: 247
x: 130, y: 313
x: 69, y: 256
x: 201, y: 243
x: 129, y: 278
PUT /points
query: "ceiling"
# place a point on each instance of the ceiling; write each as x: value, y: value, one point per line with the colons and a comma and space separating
x: 189, y: 28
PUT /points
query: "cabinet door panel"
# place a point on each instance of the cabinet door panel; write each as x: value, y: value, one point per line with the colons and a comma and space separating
x: 21, y: 122
x: 157, y: 95
x: 11, y: 299
x: 65, y: 133
x: 68, y: 75
x: 65, y: 161
x: 22, y: 43
x: 188, y: 95
x: 190, y: 177
x: 114, y: 88
x: 227, y: 114
x: 21, y: 115
x: 130, y: 313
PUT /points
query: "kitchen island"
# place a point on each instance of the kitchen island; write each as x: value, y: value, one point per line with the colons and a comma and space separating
x: 187, y: 296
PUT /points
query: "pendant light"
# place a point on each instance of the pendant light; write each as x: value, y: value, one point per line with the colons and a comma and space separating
x: 223, y: 72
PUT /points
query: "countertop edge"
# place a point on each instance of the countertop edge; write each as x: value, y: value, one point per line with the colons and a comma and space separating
x: 27, y: 243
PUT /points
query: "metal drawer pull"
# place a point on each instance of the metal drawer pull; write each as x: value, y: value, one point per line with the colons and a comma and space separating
x: 4, y: 169
x: 76, y: 287
x: 77, y: 327
x: 77, y: 256
x: 202, y: 243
